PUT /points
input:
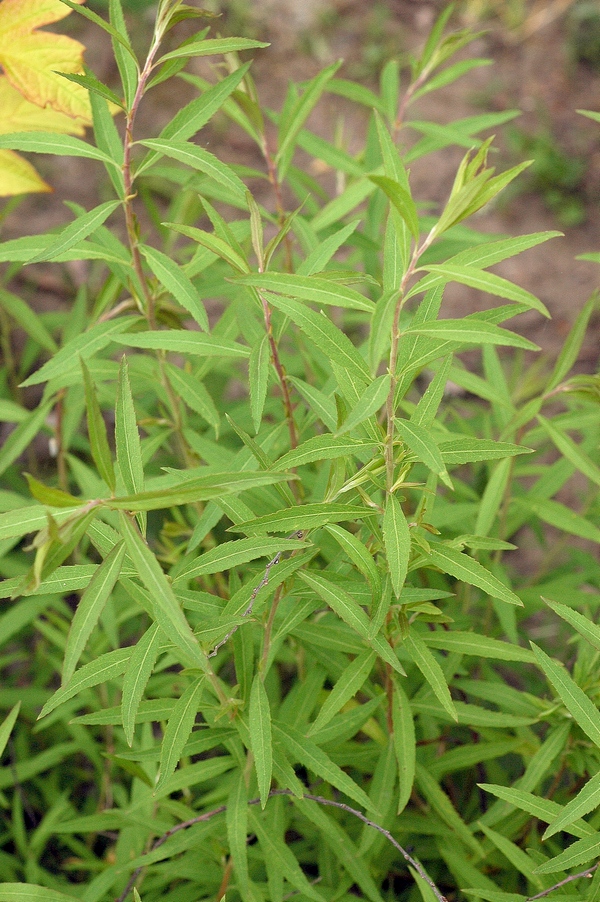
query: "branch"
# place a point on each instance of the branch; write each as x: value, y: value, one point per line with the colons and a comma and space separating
x: 321, y: 801
x: 587, y: 873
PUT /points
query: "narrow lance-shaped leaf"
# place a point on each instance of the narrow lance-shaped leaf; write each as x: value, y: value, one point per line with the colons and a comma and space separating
x: 97, y: 432
x: 136, y: 676
x: 470, y: 571
x: 127, y: 438
x: 260, y: 737
x: 258, y: 375
x: 349, y: 683
x: 7, y: 725
x: 396, y: 539
x: 168, y: 614
x: 418, y: 439
x: 106, y: 667
x: 431, y: 670
x: 309, y: 754
x: 586, y: 800
x: 90, y: 608
x: 237, y: 831
x: 405, y: 745
x: 76, y: 231
x: 177, y: 731
x: 581, y: 708
x: 173, y: 278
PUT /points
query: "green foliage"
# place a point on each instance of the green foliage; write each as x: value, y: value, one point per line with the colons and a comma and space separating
x: 264, y: 625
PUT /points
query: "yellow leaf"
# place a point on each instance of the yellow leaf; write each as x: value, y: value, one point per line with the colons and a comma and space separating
x: 20, y: 115
x: 17, y: 176
x: 31, y: 58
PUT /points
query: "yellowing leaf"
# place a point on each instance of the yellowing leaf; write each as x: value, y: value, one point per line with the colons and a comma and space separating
x: 21, y: 115
x: 17, y: 176
x: 32, y: 96
x: 31, y: 59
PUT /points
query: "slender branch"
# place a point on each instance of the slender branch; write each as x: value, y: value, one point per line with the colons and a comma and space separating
x: 208, y: 815
x: 587, y: 873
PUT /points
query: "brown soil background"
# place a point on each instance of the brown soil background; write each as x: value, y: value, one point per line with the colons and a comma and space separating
x: 533, y: 70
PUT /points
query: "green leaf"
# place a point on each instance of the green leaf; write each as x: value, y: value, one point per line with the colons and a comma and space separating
x: 85, y: 346
x: 180, y: 341
x: 7, y: 725
x: 290, y: 125
x: 471, y: 331
x: 258, y: 377
x: 231, y: 554
x: 350, y: 611
x: 586, y: 800
x: 431, y: 670
x: 90, y: 608
x: 372, y: 399
x: 571, y: 451
x: 127, y: 437
x: 305, y: 516
x: 30, y: 892
x: 56, y: 144
x: 188, y: 491
x: 194, y: 393
x: 168, y: 614
x: 560, y: 516
x: 320, y: 256
x: 237, y: 832
x: 23, y: 520
x: 418, y: 439
x: 476, y: 644
x: 580, y: 851
x: 307, y: 753
x: 173, y: 278
x: 401, y: 200
x: 519, y: 859
x: 309, y: 288
x: 97, y: 431
x: 584, y: 626
x: 571, y: 347
x: 218, y: 246
x: 581, y: 708
x: 27, y: 319
x: 327, y: 337
x: 349, y: 683
x: 177, y: 731
x: 405, y: 745
x: 443, y: 807
x: 471, y: 450
x: 487, y: 282
x: 544, y: 809
x: 76, y: 231
x: 109, y: 665
x: 125, y: 58
x: 216, y: 46
x: 282, y: 855
x: 259, y: 715
x: 50, y: 496
x: 467, y: 570
x: 21, y: 437
x: 201, y: 160
x: 359, y: 555
x: 396, y: 540
x: 322, y: 447
x: 136, y: 677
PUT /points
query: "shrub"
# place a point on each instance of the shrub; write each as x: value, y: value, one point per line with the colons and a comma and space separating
x: 275, y: 634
